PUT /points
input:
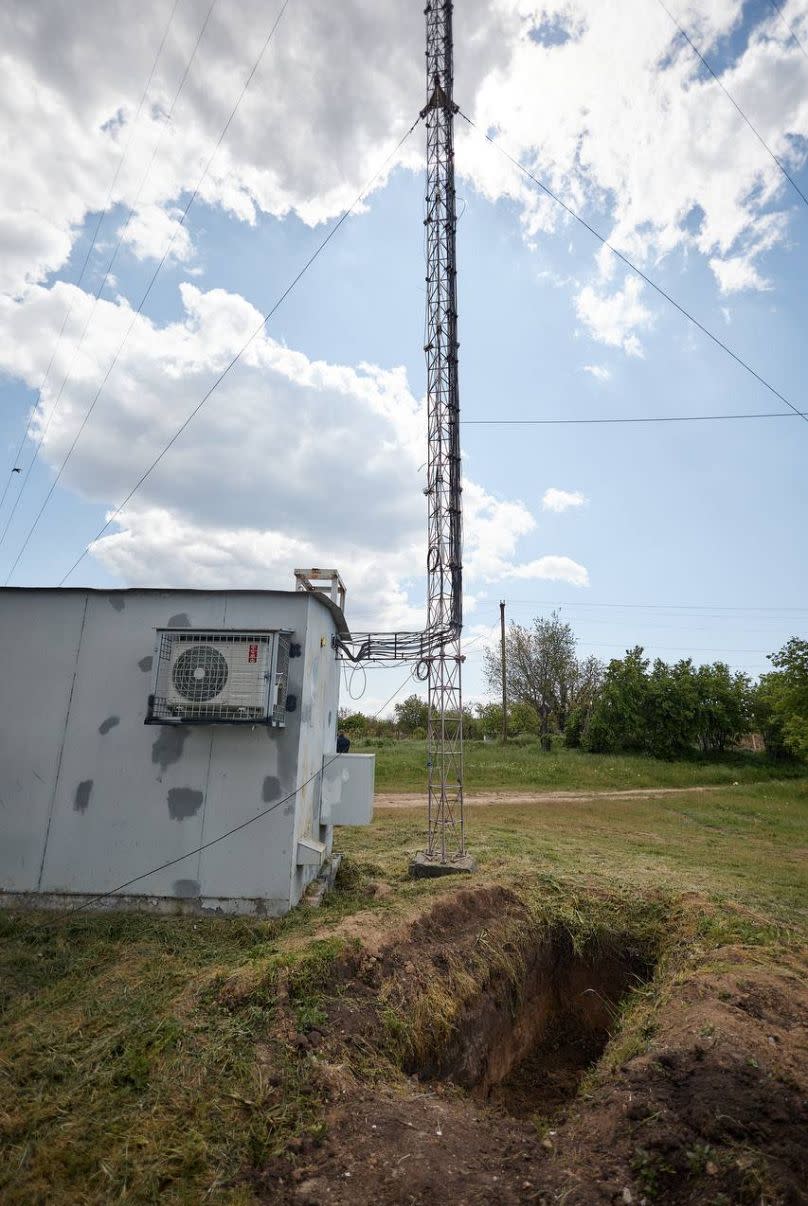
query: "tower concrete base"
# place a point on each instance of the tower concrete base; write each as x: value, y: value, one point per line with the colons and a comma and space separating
x: 424, y: 867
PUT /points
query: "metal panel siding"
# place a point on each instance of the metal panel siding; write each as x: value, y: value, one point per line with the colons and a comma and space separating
x: 149, y: 784
x: 247, y: 778
x: 39, y: 643
x: 129, y: 796
x: 319, y: 707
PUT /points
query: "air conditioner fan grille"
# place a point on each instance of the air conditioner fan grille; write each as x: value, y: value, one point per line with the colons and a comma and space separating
x: 200, y: 674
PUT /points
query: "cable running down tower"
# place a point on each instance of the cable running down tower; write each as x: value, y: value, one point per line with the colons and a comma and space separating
x: 446, y: 836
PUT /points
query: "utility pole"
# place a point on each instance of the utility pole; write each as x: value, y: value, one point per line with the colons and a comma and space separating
x: 502, y: 657
x: 446, y: 841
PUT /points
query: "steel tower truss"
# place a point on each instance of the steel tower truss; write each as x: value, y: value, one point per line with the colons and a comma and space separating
x: 436, y: 650
x: 446, y: 839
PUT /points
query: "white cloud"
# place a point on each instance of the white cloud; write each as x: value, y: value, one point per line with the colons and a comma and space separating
x: 292, y: 461
x: 648, y: 145
x: 154, y: 230
x: 552, y: 569
x: 599, y: 371
x: 620, y: 119
x: 737, y: 273
x: 561, y: 500
x: 653, y: 147
x: 613, y: 318
x: 334, y: 87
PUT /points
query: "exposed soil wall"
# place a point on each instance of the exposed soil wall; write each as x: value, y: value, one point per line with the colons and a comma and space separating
x: 496, y: 1017
x: 561, y: 1010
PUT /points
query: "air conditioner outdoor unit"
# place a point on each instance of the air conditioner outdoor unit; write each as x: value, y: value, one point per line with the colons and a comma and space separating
x: 219, y: 677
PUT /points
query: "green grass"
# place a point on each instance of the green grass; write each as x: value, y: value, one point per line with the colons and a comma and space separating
x: 747, y: 845
x: 401, y: 766
x: 142, y: 1058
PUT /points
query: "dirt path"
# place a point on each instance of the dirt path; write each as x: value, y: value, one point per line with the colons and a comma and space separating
x: 404, y: 799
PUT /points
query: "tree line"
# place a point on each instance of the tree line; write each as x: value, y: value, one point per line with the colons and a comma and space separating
x: 631, y: 704
x: 635, y: 705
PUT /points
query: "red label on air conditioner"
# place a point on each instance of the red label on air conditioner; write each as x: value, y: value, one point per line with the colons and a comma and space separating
x: 252, y: 655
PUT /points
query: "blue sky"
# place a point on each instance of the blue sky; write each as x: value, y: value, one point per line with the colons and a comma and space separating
x: 690, y: 535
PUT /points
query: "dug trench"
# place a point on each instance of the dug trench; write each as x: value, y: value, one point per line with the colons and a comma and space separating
x: 495, y: 1052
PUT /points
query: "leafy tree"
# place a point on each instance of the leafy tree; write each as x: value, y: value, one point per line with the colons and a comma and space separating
x: 542, y: 671
x: 669, y: 711
x: 617, y: 720
x: 411, y: 714
x: 489, y: 719
x: 522, y: 718
x: 354, y: 724
x: 781, y: 701
x: 587, y: 688
x: 472, y: 728
x: 725, y: 706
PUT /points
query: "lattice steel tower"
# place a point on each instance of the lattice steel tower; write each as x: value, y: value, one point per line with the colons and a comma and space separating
x: 446, y: 839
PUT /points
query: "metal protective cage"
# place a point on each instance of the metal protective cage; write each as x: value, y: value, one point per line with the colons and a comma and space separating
x: 220, y: 677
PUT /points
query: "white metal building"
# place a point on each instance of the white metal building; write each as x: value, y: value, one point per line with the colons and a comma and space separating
x: 137, y: 725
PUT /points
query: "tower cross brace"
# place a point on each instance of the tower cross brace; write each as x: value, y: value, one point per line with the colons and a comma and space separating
x: 446, y: 820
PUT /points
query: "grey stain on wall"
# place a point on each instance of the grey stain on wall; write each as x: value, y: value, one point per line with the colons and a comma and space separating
x: 180, y: 620
x: 168, y: 746
x: 184, y: 802
x: 116, y: 602
x: 186, y: 888
x: 82, y: 796
x: 271, y: 789
x: 108, y: 724
x: 145, y: 664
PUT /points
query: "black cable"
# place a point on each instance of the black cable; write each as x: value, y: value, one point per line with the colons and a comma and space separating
x: 179, y: 224
x: 91, y: 247
x: 321, y: 247
x: 779, y: 414
x: 779, y: 12
x: 735, y: 104
x: 638, y: 271
x: 96, y: 298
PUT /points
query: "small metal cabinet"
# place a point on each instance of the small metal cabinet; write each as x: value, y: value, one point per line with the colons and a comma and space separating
x: 347, y: 792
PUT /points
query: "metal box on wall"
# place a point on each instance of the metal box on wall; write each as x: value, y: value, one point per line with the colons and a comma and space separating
x: 347, y: 795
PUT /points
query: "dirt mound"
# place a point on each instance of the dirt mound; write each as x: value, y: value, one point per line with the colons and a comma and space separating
x: 716, y: 1110
x: 493, y: 1018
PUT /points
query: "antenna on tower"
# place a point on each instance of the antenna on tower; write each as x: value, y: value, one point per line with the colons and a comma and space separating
x: 446, y: 838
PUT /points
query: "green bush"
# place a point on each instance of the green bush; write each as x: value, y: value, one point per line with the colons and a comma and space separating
x: 669, y: 711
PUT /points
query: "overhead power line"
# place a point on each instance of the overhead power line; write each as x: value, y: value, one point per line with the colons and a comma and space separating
x: 687, y: 623
x: 638, y: 271
x: 778, y: 9
x: 227, y: 369
x: 779, y: 414
x: 90, y: 249
x: 716, y: 607
x: 99, y: 291
x: 735, y: 104
x: 136, y: 313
